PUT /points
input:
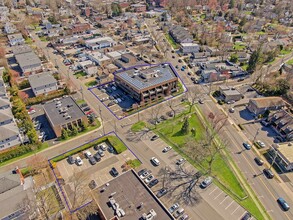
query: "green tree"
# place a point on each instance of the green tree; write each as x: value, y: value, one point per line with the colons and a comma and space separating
x: 254, y: 60
x: 33, y: 137
x: 234, y: 58
x: 64, y: 134
x: 185, y: 126
x: 232, y: 4
x: 74, y: 131
x: 283, y: 87
x: 83, y: 126
x: 6, y: 76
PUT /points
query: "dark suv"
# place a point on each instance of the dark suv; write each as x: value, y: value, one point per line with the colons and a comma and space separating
x: 114, y: 172
x: 269, y: 174
x: 97, y: 157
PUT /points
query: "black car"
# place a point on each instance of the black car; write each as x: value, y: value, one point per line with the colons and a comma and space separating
x: 258, y: 161
x: 269, y: 174
x: 198, y: 174
x: 111, y: 149
x: 283, y: 204
x: 114, y: 172
x: 162, y: 192
x: 71, y: 160
x: 247, y: 216
x: 86, y: 109
x: 153, y: 183
x: 92, y: 160
x: 97, y: 157
x: 141, y: 171
x: 155, y: 137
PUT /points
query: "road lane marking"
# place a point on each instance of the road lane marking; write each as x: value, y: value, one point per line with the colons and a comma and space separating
x: 229, y: 205
x: 235, y: 209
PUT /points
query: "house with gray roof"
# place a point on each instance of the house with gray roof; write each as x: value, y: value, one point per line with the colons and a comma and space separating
x: 29, y: 62
x: 42, y: 83
x: 148, y: 83
x: 15, y: 39
x: 180, y: 34
x: 20, y: 49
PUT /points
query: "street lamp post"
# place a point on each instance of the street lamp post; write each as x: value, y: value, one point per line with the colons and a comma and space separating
x: 257, y: 132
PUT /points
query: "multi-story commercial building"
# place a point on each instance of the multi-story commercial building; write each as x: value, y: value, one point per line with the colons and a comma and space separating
x: 64, y: 114
x: 149, y: 83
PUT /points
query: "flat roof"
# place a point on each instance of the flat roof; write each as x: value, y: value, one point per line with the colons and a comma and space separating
x: 130, y: 192
x: 28, y: 59
x: 145, y: 78
x: 56, y: 118
x: 41, y: 79
x: 286, y: 149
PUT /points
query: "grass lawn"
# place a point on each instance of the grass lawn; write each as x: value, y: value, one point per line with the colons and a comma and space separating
x: 28, y: 40
x: 80, y: 74
x: 138, y: 126
x: 133, y: 163
x: 44, y: 39
x: 244, y: 67
x: 171, y: 41
x: 260, y: 33
x: 48, y: 196
x: 285, y: 52
x: 91, y: 83
x: 239, y: 46
x: 290, y: 62
x: 80, y: 101
x: 38, y: 28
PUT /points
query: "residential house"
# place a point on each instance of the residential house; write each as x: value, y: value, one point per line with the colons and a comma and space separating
x: 15, y: 39
x: 283, y: 154
x: 91, y: 69
x: 189, y: 48
x: 282, y: 122
x: 4, y: 11
x: 68, y: 40
x: 261, y: 105
x: 230, y: 94
x: 9, y: 28
x: 29, y: 63
x: 42, y: 83
x: 139, y: 7
x: 180, y: 34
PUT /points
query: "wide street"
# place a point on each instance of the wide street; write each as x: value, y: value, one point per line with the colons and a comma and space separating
x: 266, y: 190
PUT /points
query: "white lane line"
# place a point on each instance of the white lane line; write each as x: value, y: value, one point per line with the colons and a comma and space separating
x: 229, y: 205
x: 218, y: 195
x: 213, y: 190
x: 224, y: 200
x: 235, y: 210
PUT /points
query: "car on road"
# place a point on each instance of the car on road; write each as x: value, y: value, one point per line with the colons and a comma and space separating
x: 166, y: 149
x: 155, y: 161
x: 87, y: 154
x: 269, y: 174
x: 149, y: 179
x: 97, y: 157
x: 162, y: 192
x: 114, y: 172
x: 283, y: 204
x: 207, y: 181
x: 246, y: 146
x: 153, y: 183
x: 79, y: 161
x: 92, y: 160
x: 184, y: 217
x: 180, y: 161
x: 71, y: 160
x: 258, y: 161
x: 261, y: 144
x: 178, y: 212
x: 173, y: 208
x: 155, y: 137
x: 145, y: 174
x: 241, y: 79
x: 231, y: 110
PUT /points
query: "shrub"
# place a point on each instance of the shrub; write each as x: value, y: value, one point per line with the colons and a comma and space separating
x: 14, y: 152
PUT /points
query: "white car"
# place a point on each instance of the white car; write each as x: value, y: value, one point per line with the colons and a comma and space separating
x: 32, y: 111
x: 261, y: 144
x: 173, y: 208
x: 155, y: 161
x: 149, y: 179
x: 88, y: 154
x: 119, y: 100
x: 166, y: 149
x: 41, y: 135
x: 180, y: 161
x: 79, y: 161
x: 145, y: 174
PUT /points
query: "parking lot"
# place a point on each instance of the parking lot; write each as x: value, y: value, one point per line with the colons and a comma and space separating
x: 113, y: 98
x: 100, y: 172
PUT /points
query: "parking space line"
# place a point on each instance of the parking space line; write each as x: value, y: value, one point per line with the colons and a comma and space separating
x: 229, y: 205
x: 235, y: 209
x: 218, y: 195
x: 224, y: 199
x: 213, y: 190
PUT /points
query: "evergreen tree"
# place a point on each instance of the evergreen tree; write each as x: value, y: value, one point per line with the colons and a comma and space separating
x: 254, y: 60
x: 185, y: 127
x: 74, y: 131
x: 64, y: 134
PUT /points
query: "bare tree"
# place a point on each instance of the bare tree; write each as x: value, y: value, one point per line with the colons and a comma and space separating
x: 217, y: 124
x: 154, y: 114
x: 181, y: 184
x: 171, y: 104
x: 192, y: 97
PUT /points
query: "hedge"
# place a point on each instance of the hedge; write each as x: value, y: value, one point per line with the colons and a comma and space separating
x: 14, y: 152
x: 42, y: 98
x: 115, y: 142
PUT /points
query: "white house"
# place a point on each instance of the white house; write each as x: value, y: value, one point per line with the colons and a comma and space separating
x: 42, y: 83
x: 189, y: 48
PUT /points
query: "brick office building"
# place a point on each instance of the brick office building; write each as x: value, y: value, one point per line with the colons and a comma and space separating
x: 148, y: 83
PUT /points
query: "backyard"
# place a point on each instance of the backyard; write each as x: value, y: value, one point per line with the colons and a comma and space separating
x: 171, y: 41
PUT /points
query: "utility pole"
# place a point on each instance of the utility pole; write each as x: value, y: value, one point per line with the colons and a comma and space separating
x: 257, y: 132
x: 81, y: 91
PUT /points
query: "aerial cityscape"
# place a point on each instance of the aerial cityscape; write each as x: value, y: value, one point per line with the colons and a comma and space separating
x: 146, y: 109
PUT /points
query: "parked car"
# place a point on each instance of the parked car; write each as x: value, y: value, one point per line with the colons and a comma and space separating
x: 153, y: 183
x: 97, y: 157
x: 162, y: 192
x: 201, y: 101
x: 79, y: 161
x: 283, y: 204
x: 269, y: 174
x: 111, y: 149
x: 258, y: 161
x: 207, y: 181
x: 31, y: 111
x: 114, y: 172
x: 155, y: 161
x: 155, y: 137
x: 261, y: 144
x: 87, y: 154
x: 145, y: 174
x: 178, y: 213
x: 71, y: 160
x: 166, y: 149
x: 231, y: 110
x: 264, y: 123
x: 141, y: 172
x: 92, y: 160
x: 247, y: 216
x: 173, y: 208
x: 149, y: 179
x: 246, y: 146
x: 101, y: 153
x: 198, y: 174
x: 180, y: 161
x: 184, y: 217
x: 103, y: 147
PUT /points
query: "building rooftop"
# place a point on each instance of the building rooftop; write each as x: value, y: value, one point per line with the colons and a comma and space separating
x: 42, y: 79
x: 57, y: 115
x: 14, y: 36
x: 21, y: 49
x: 231, y: 92
x: 28, y: 59
x: 286, y: 150
x: 144, y: 78
x: 4, y: 102
x: 268, y: 102
x: 130, y: 192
